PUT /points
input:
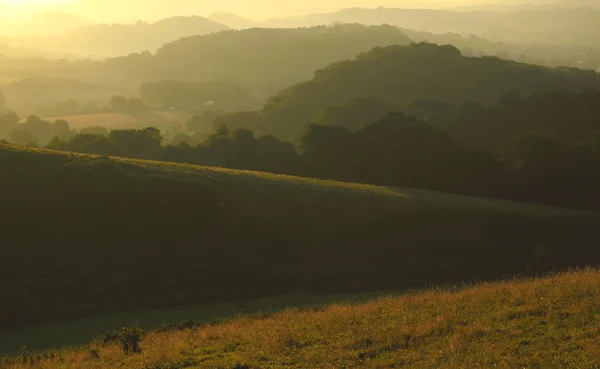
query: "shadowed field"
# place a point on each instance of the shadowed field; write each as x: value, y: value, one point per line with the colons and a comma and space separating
x: 95, y: 237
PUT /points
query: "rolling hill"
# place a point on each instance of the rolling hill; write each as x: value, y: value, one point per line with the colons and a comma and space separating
x: 263, y: 60
x: 558, y: 23
x: 547, y: 322
x: 400, y: 74
x: 270, y: 56
x: 91, y: 235
x: 431, y: 20
x: 106, y: 40
x: 233, y: 21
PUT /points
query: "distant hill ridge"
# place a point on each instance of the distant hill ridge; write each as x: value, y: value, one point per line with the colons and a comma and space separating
x: 272, y: 55
x: 123, y: 39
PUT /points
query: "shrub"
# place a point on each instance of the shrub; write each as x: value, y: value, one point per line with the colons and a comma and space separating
x: 129, y: 339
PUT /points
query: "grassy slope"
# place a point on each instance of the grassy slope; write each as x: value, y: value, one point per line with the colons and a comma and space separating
x: 260, y: 180
x: 545, y: 323
x: 62, y: 334
x: 182, y: 234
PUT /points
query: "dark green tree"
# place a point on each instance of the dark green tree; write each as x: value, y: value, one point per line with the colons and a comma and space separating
x: 41, y: 129
x: 529, y: 148
x: 330, y: 151
x: 8, y: 122
x: 142, y: 143
x: 21, y: 136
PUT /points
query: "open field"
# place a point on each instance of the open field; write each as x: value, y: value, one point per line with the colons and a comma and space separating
x: 123, y: 121
x: 544, y: 323
x: 91, y: 237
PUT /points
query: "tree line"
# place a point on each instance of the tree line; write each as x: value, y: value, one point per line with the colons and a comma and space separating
x: 541, y: 148
x: 397, y: 150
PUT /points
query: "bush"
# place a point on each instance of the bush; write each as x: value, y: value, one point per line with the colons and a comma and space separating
x: 129, y: 339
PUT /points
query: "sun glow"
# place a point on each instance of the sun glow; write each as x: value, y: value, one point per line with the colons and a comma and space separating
x: 20, y: 11
x: 28, y: 2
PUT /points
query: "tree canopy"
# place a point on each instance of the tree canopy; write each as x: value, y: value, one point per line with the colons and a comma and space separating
x: 400, y: 74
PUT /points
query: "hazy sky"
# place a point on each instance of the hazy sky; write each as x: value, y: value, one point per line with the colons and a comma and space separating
x: 130, y: 10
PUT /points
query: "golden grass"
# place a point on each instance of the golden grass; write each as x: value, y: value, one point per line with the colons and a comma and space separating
x: 551, y: 322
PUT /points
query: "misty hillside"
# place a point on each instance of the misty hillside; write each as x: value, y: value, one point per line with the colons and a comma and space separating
x: 278, y: 56
x: 399, y: 74
x: 263, y: 61
x: 233, y: 21
x: 431, y: 20
x: 21, y: 53
x: 38, y: 92
x: 568, y: 55
x: 559, y: 24
x: 121, y: 39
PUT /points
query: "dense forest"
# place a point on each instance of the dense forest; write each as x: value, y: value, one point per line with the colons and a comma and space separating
x: 400, y: 74
x: 553, y: 33
x: 42, y: 95
x: 562, y: 116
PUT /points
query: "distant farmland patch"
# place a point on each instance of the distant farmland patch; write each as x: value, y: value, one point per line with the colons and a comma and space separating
x: 161, y: 119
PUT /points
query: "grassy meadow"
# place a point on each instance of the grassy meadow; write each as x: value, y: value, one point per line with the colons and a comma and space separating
x: 79, y: 332
x: 550, y: 322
